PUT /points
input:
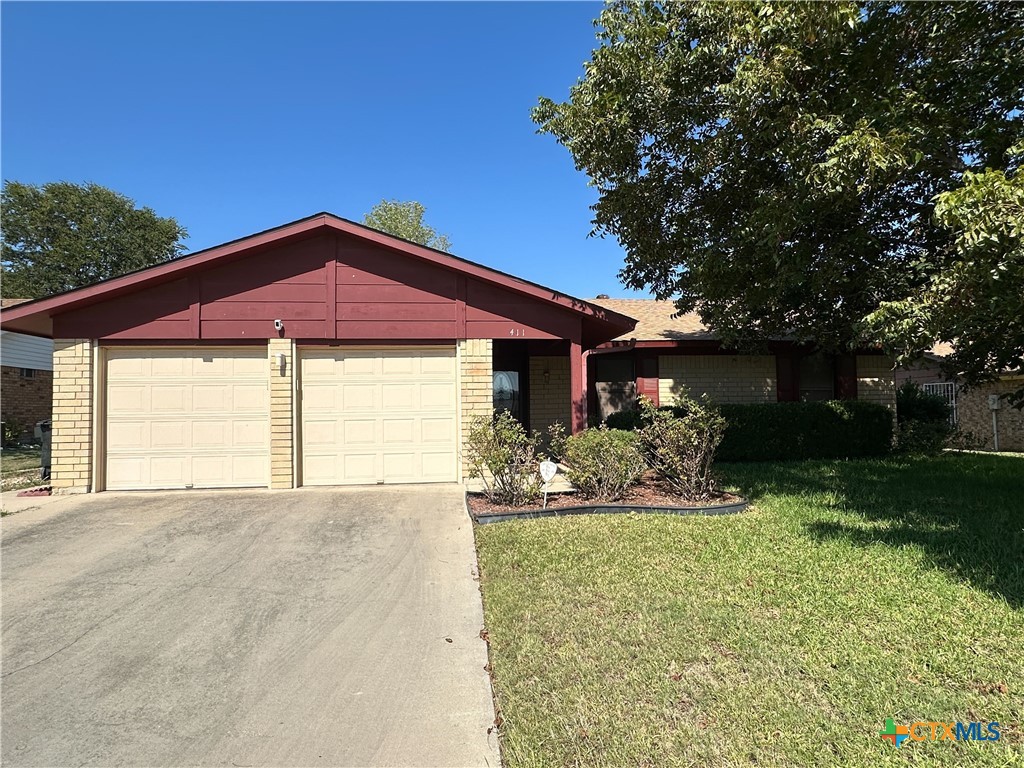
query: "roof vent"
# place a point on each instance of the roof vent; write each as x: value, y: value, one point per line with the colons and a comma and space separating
x: 602, y: 296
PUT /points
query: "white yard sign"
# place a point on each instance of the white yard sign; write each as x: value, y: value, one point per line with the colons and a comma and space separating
x: 548, y: 469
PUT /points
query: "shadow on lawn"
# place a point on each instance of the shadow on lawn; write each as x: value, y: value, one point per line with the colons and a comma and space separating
x: 964, y: 511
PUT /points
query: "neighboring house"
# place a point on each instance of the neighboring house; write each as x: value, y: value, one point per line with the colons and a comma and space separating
x: 1000, y: 428
x: 26, y: 376
x: 321, y: 352
x: 668, y: 353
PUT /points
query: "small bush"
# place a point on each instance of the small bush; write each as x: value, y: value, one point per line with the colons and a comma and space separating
x: 834, y: 429
x: 680, y: 444
x: 13, y: 430
x: 629, y: 420
x: 922, y: 421
x: 501, y: 453
x: 601, y: 463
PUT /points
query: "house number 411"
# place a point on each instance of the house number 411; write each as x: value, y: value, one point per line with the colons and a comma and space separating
x: 517, y: 332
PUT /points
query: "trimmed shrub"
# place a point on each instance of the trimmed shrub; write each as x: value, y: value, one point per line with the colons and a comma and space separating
x: 628, y: 420
x: 601, y: 463
x: 833, y: 429
x: 680, y: 444
x: 922, y: 420
x: 501, y: 453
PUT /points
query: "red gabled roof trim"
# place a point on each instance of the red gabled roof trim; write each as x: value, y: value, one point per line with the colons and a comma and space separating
x: 116, y: 286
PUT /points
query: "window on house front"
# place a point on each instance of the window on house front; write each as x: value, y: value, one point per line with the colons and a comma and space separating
x: 28, y: 373
x: 817, y: 378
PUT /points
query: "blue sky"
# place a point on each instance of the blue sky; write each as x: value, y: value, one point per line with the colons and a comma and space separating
x: 235, y: 117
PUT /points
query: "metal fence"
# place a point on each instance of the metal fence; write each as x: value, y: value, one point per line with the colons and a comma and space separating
x: 947, y: 391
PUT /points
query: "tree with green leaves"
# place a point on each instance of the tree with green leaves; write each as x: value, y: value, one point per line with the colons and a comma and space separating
x: 833, y: 171
x: 61, y: 236
x: 405, y: 220
x: 976, y: 300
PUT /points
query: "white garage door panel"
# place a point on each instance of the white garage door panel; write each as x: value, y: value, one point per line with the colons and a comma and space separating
x: 379, y: 415
x: 187, y: 418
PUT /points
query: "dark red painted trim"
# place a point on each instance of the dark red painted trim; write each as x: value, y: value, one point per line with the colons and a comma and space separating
x: 316, y: 342
x: 846, y: 377
x: 577, y: 388
x: 645, y: 368
x: 713, y: 347
x: 182, y: 342
x: 787, y: 378
x: 460, y: 305
x: 331, y: 286
x: 194, y: 307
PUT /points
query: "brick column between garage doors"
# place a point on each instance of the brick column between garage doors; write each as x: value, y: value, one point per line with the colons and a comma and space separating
x: 282, y: 427
x: 72, y: 443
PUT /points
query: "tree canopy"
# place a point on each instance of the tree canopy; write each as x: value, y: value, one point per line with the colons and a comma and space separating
x: 405, y: 220
x: 61, y: 236
x: 814, y: 169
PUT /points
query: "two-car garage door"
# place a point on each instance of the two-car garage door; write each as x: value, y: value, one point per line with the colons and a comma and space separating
x: 200, y: 418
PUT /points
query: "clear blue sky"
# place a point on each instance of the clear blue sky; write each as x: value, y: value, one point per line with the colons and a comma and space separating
x: 236, y: 117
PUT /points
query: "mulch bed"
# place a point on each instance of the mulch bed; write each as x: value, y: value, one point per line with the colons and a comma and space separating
x: 649, y: 492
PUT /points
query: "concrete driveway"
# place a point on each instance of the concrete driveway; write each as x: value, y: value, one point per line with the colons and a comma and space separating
x: 290, y: 628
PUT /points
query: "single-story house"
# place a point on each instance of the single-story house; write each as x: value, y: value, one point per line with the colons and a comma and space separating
x: 26, y: 377
x: 669, y: 352
x: 320, y: 352
x: 323, y: 352
x: 980, y: 410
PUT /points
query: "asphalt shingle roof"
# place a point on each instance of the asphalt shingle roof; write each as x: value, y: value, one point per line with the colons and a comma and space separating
x: 657, y: 320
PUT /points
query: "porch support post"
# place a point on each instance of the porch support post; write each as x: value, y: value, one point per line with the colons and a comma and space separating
x: 577, y: 387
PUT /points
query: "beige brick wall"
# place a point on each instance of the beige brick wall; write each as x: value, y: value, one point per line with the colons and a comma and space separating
x: 875, y: 380
x: 974, y: 416
x: 282, y: 389
x: 475, y: 386
x: 549, y: 400
x: 725, y: 378
x: 71, y: 462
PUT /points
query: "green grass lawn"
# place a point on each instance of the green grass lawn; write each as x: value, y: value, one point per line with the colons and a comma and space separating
x: 786, y: 635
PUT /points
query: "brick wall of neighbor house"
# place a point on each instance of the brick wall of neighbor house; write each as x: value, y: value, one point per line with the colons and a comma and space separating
x: 476, y: 385
x: 26, y: 400
x: 974, y: 416
x: 282, y: 388
x: 875, y: 380
x: 71, y: 468
x: 549, y: 395
x: 725, y: 378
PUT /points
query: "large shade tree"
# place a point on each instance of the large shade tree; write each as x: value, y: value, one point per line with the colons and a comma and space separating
x: 61, y: 236
x: 815, y: 169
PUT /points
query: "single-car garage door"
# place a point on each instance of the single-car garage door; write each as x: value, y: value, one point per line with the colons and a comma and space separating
x: 378, y: 415
x: 187, y: 418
